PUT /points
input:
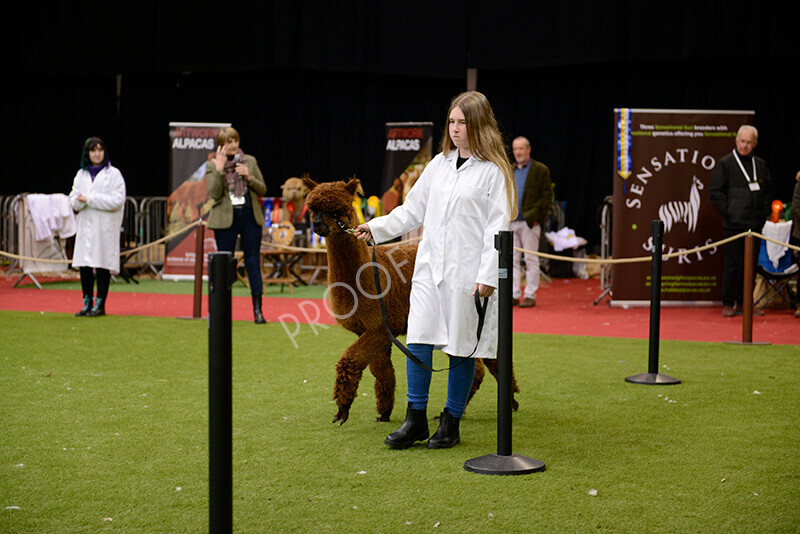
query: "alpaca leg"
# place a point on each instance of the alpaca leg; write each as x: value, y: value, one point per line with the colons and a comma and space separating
x: 480, y: 372
x: 383, y: 371
x: 349, y: 370
x: 491, y: 364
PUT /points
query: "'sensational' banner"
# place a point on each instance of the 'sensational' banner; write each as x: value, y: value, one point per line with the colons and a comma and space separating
x: 192, y: 146
x: 663, y: 165
x: 408, y: 151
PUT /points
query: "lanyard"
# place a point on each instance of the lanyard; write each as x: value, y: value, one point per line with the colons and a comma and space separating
x: 746, y: 177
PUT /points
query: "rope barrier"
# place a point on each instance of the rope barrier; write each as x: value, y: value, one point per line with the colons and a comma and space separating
x: 665, y: 256
x: 165, y: 238
x: 129, y: 252
x: 535, y: 253
x: 289, y: 248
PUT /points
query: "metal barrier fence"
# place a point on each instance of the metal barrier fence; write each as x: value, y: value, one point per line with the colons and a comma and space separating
x: 152, y: 224
x: 8, y: 231
x: 144, y: 221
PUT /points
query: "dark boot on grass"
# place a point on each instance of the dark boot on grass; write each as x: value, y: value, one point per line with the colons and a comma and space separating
x: 98, y: 309
x: 87, y: 307
x: 413, y: 429
x: 446, y: 435
x: 258, y: 317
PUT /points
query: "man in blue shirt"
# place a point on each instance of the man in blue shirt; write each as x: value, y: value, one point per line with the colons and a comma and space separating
x: 535, y: 196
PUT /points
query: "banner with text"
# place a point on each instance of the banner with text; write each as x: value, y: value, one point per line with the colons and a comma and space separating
x: 409, y: 148
x: 663, y: 165
x: 192, y: 146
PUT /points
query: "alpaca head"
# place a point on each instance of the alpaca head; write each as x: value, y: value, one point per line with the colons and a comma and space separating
x: 294, y: 190
x: 331, y: 205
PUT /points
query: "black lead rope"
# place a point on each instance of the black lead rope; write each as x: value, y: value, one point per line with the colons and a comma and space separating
x: 481, y: 309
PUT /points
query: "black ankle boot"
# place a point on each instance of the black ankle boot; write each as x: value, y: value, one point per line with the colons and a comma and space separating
x: 87, y: 307
x: 98, y: 309
x: 257, y: 315
x: 413, y: 429
x: 446, y: 435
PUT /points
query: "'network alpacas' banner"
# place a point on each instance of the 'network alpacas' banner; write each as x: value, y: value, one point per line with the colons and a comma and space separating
x: 192, y: 146
x: 408, y: 151
x: 663, y: 165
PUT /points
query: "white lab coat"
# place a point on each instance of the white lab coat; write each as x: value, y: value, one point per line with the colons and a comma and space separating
x: 99, y: 219
x: 461, y: 210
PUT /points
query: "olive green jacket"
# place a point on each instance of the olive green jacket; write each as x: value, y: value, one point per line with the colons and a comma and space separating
x: 537, y: 196
x: 221, y: 215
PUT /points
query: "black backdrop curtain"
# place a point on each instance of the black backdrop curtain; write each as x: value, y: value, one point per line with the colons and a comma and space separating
x: 309, y: 85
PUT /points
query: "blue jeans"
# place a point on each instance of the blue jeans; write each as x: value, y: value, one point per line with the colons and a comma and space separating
x: 459, y: 380
x: 244, y: 224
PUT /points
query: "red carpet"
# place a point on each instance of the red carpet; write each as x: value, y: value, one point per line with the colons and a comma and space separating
x: 564, y: 307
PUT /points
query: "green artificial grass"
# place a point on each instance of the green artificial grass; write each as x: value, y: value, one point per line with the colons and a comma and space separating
x: 104, y: 427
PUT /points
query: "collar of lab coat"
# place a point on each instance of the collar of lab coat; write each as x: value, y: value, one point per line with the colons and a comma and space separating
x: 452, y: 158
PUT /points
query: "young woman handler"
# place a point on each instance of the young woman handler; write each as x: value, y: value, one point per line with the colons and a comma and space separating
x: 465, y: 196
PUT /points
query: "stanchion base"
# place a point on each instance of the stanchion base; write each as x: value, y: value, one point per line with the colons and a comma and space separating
x: 496, y: 464
x: 748, y: 342
x: 653, y: 379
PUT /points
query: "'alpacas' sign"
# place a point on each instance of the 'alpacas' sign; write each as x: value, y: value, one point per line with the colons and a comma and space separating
x: 353, y: 302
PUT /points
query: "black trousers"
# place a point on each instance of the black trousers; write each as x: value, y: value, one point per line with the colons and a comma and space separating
x: 245, y: 225
x: 87, y: 282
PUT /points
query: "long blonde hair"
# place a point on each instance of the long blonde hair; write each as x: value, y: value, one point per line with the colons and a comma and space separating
x: 485, y: 141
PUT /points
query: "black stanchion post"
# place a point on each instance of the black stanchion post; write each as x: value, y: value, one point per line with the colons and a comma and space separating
x: 653, y: 376
x: 221, y: 272
x: 504, y: 462
x: 505, y: 333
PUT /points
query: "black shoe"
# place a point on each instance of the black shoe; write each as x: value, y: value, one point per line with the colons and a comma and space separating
x: 258, y: 317
x: 413, y: 429
x: 98, y: 309
x: 87, y: 307
x: 446, y: 435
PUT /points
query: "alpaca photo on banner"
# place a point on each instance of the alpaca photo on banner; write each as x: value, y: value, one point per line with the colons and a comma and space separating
x: 680, y: 211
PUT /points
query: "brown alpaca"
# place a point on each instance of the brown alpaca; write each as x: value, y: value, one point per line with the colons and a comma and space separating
x: 351, y: 290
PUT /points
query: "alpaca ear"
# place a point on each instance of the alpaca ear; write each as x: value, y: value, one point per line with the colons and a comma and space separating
x: 310, y: 184
x: 354, y: 186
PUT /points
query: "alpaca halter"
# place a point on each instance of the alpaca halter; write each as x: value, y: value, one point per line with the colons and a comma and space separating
x: 344, y: 228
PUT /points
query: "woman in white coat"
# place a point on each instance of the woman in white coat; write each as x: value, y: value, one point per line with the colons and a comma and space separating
x: 465, y: 196
x: 98, y: 197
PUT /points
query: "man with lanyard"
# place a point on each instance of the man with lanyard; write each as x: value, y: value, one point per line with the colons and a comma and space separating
x: 741, y: 191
